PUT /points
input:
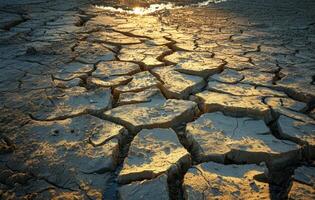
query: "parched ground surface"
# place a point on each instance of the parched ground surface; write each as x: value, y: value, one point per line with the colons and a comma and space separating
x: 212, y: 102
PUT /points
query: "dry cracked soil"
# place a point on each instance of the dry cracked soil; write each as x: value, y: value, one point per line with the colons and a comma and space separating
x: 189, y: 102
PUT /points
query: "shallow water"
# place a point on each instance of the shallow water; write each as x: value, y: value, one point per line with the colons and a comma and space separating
x: 145, y: 8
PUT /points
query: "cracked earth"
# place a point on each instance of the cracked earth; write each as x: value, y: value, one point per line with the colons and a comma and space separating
x: 212, y: 102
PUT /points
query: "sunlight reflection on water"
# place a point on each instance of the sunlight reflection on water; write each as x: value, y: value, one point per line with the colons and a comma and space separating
x: 155, y: 7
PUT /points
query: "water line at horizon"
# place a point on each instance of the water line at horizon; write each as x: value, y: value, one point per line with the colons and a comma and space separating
x: 156, y: 7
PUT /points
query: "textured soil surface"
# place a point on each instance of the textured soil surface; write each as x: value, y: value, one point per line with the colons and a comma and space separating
x: 189, y: 102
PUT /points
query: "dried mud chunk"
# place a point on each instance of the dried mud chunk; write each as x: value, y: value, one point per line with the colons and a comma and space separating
x: 178, y: 85
x: 148, y: 95
x: 93, y: 53
x: 299, y: 131
x: 216, y: 181
x: 146, y: 53
x: 237, y: 106
x: 73, y: 70
x: 112, y: 37
x: 160, y: 114
x: 60, y: 104
x: 156, y: 188
x: 215, y: 136
x: 115, y: 68
x: 228, y: 76
x: 303, y: 185
x: 242, y: 89
x: 278, y: 102
x: 196, y: 63
x: 139, y: 82
x: 154, y: 152
x: 70, y: 153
